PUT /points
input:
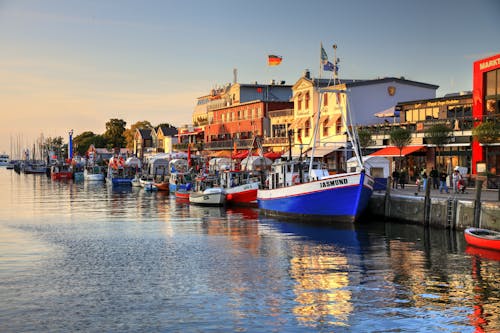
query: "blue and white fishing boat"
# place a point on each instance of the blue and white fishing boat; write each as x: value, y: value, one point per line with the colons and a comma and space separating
x: 121, y: 172
x: 300, y: 189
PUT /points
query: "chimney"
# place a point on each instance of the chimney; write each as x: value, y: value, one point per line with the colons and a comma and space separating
x: 307, y: 74
x: 235, y: 75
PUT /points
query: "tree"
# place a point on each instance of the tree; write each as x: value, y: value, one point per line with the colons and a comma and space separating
x: 130, y: 133
x: 438, y: 135
x: 365, y: 138
x: 83, y: 141
x: 486, y: 133
x: 400, y: 137
x: 114, y: 133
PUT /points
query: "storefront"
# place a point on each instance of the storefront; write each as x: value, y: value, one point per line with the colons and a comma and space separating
x: 486, y: 106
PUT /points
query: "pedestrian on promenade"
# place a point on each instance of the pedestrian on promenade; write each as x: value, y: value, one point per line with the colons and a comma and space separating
x: 395, y: 179
x: 402, y: 178
x: 424, y: 179
x: 456, y: 177
x: 435, y: 178
x: 442, y: 182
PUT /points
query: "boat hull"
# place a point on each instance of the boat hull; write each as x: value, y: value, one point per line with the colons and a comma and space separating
x: 337, y: 198
x: 243, y: 194
x: 483, y: 238
x: 63, y: 175
x: 120, y: 181
x: 208, y: 198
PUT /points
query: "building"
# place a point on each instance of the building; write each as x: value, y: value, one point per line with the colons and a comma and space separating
x: 164, y: 137
x: 486, y: 106
x: 366, y: 98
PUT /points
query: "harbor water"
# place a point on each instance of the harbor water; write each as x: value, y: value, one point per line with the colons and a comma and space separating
x: 85, y: 257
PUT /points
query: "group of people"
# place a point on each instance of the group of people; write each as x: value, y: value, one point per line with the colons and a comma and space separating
x: 438, y: 180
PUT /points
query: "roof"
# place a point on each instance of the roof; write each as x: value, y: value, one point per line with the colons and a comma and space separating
x: 355, y: 83
x: 145, y: 133
x: 168, y: 130
x: 394, y: 151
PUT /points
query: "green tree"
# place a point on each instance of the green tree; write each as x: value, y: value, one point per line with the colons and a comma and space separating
x: 83, y: 141
x: 486, y: 133
x: 400, y: 137
x: 438, y: 135
x: 365, y: 139
x: 130, y: 133
x: 114, y: 133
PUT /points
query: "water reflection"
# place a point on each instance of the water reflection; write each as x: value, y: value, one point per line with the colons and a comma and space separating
x: 129, y: 260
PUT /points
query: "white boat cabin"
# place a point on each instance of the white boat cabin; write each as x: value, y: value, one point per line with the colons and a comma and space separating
x: 288, y: 173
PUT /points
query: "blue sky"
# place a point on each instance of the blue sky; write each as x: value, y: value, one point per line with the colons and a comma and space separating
x: 76, y: 64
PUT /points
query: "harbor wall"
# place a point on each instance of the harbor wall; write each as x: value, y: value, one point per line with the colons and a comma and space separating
x: 450, y: 212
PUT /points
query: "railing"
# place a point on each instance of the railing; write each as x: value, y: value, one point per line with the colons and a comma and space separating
x: 280, y: 113
x: 275, y: 141
x: 229, y: 144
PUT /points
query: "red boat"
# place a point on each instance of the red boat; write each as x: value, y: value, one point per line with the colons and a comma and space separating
x: 240, y: 187
x: 484, y: 238
x: 61, y: 172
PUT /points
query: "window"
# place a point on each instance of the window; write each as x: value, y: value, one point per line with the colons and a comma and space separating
x: 492, y: 98
x: 338, y: 126
x: 325, y: 99
x: 299, y: 102
x: 307, y: 101
x: 308, y: 127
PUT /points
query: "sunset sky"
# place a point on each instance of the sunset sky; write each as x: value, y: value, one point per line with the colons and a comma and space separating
x: 76, y: 64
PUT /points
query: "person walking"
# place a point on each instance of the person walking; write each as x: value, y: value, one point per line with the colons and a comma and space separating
x: 442, y: 182
x: 395, y: 179
x: 455, y: 178
x: 434, y: 174
x: 402, y: 178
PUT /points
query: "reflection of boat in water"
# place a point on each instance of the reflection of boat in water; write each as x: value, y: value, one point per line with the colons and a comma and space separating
x: 248, y: 213
x: 483, y: 238
x: 206, y: 211
x: 483, y: 253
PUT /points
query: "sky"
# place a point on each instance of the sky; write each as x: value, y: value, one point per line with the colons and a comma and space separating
x: 77, y: 64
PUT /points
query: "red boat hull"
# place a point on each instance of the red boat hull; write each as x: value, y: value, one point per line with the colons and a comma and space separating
x: 61, y: 175
x: 182, y: 195
x: 483, y: 238
x: 243, y: 197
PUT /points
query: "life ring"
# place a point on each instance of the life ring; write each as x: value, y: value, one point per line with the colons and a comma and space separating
x: 295, y: 179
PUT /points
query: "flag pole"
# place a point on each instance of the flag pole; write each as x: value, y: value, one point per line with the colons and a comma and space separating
x: 320, y: 48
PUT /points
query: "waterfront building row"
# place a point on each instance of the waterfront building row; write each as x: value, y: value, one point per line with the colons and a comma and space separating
x: 229, y: 117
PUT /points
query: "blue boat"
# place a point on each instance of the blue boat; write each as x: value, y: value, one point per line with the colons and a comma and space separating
x: 121, y: 172
x: 298, y: 189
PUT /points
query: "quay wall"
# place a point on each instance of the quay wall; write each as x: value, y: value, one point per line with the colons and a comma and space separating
x: 450, y: 212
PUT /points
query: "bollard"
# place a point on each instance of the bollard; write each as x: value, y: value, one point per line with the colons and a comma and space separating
x: 387, y: 202
x: 477, y: 203
x: 427, y: 204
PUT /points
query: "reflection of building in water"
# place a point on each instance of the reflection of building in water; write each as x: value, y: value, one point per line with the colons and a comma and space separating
x: 321, y: 291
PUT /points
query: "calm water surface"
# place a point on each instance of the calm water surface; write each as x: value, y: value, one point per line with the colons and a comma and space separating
x: 84, y: 257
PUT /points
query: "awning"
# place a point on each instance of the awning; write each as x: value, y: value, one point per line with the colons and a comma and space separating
x: 390, y: 112
x: 394, y: 151
x: 323, y: 151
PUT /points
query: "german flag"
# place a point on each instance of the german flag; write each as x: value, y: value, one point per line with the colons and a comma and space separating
x: 273, y: 60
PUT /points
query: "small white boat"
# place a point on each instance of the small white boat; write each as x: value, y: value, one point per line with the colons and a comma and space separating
x: 207, y: 193
x: 93, y: 174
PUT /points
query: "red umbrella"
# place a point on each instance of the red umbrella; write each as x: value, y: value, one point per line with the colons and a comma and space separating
x: 272, y: 155
x: 240, y: 155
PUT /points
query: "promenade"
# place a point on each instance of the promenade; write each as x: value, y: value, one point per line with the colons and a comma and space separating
x: 470, y: 193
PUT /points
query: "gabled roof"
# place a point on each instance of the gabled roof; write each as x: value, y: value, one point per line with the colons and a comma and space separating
x: 167, y: 130
x: 145, y: 133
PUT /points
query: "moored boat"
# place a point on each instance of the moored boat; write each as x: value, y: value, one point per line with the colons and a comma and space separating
x: 240, y: 187
x: 297, y: 188
x: 4, y: 160
x: 483, y: 238
x: 93, y: 173
x: 121, y: 172
x: 61, y: 172
x: 207, y: 193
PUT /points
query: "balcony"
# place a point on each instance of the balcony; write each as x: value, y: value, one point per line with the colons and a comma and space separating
x: 229, y: 144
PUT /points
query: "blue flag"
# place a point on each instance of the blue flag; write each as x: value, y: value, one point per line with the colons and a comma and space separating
x: 328, y: 66
x: 324, y: 56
